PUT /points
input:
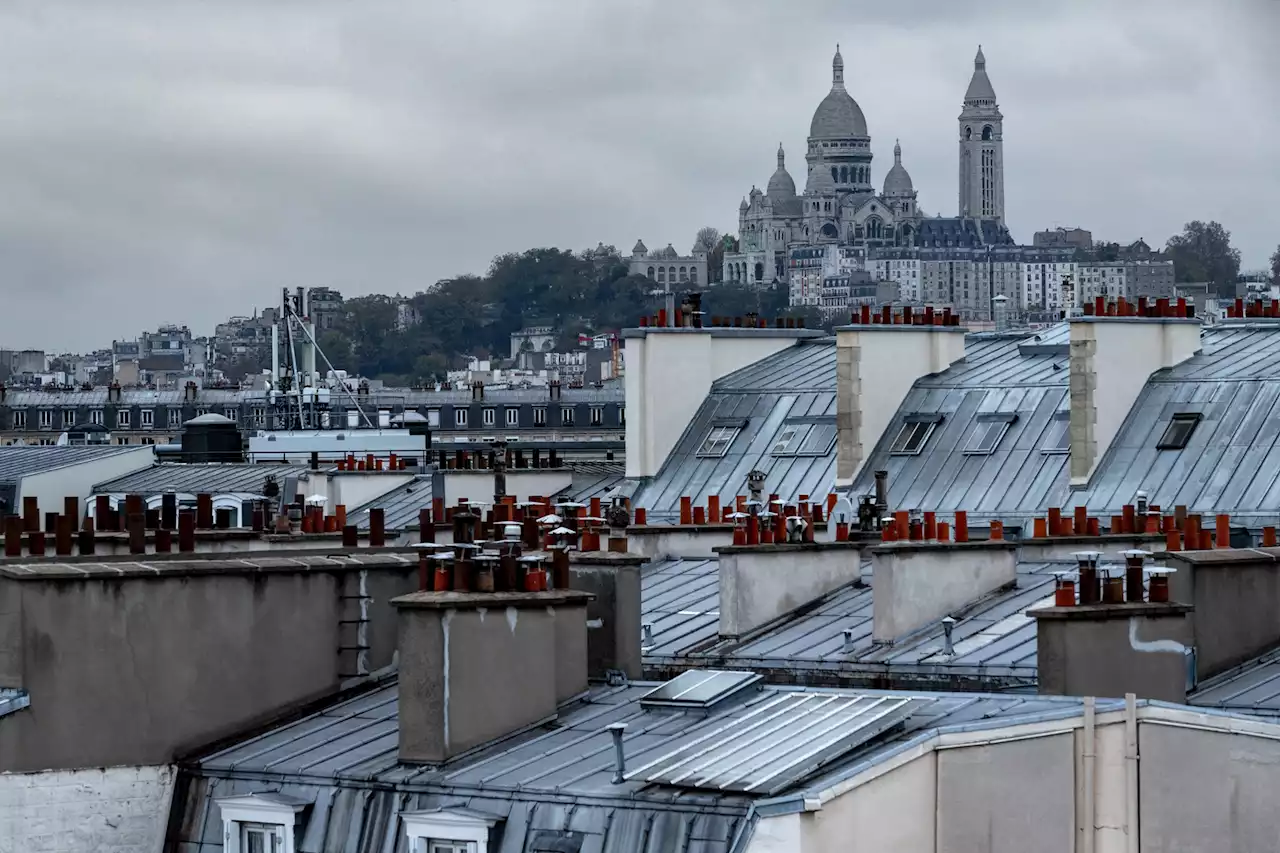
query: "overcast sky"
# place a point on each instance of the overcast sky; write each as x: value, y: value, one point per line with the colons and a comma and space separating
x: 180, y: 160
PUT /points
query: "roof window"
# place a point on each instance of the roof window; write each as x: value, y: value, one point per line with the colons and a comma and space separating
x: 805, y: 439
x: 1057, y: 437
x: 718, y: 441
x: 986, y: 434
x: 699, y: 688
x: 1179, y: 431
x: 913, y: 436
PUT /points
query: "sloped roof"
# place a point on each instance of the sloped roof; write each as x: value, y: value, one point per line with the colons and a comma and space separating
x: 1020, y: 374
x: 551, y: 780
x: 1231, y: 463
x: 18, y: 461
x: 214, y: 478
x: 994, y: 640
x: 400, y: 505
x: 798, y: 382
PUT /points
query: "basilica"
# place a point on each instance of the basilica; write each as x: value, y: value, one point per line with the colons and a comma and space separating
x: 840, y: 205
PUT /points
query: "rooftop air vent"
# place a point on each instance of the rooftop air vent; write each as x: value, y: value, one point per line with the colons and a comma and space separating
x: 698, y: 688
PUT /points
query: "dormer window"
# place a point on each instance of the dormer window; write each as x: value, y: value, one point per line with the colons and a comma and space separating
x: 914, y: 435
x: 260, y: 823
x: 447, y: 831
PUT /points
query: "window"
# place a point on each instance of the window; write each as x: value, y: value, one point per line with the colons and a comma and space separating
x: 540, y: 416
x: 19, y: 419
x: 231, y: 413
x: 447, y: 831
x: 597, y: 415
x: 68, y: 418
x: 200, y: 413
x: 718, y: 441
x: 147, y: 418
x: 912, y: 438
x: 986, y: 434
x: 259, y: 823
x: 95, y: 417
x: 260, y: 416
x: 566, y: 416
x: 460, y: 417
x: 1058, y: 437
x: 805, y: 439
x: 1179, y: 431
x: 513, y: 417
x: 123, y: 419
x: 433, y: 418
x: 490, y: 416
x: 46, y: 418
x: 175, y: 417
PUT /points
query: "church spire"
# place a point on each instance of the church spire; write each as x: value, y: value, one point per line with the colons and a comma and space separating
x: 781, y: 157
x: 979, y: 61
x: 897, y: 152
x: 837, y: 71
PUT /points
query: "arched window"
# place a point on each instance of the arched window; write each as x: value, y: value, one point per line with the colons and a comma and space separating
x: 693, y: 275
x: 968, y: 133
x: 829, y: 230
x: 986, y: 133
x: 662, y: 274
x: 875, y: 228
x: 671, y: 273
x: 835, y: 173
x: 759, y: 271
x: 684, y: 273
x: 650, y: 272
x: 844, y: 174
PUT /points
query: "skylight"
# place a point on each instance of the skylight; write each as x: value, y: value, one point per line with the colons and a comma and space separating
x: 805, y: 439
x: 1179, y: 431
x: 699, y: 688
x: 911, y: 439
x: 717, y: 442
x: 1057, y: 438
x: 987, y: 432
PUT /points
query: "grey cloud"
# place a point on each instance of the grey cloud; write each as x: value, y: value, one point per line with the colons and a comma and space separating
x: 180, y: 161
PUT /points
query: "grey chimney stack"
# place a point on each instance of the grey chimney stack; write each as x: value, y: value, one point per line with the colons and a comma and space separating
x: 1000, y: 312
x: 619, y: 756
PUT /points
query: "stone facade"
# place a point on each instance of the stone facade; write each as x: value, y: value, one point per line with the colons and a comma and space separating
x: 668, y: 267
x: 105, y: 810
x: 841, y: 206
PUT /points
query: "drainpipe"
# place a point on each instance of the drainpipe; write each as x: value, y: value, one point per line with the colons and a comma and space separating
x: 1131, y: 773
x: 1090, y: 747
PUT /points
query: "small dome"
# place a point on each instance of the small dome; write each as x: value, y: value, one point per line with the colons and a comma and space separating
x: 820, y: 181
x: 898, y: 182
x: 980, y: 88
x: 781, y: 186
x: 838, y: 116
x: 640, y: 248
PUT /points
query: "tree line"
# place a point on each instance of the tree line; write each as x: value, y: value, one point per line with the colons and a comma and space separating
x: 592, y: 291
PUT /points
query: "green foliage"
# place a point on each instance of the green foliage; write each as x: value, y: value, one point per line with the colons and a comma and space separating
x: 469, y: 315
x: 1203, y: 252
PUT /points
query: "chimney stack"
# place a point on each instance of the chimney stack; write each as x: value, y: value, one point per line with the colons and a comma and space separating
x: 1111, y: 358
x: 476, y: 666
x: 876, y: 365
x: 918, y: 583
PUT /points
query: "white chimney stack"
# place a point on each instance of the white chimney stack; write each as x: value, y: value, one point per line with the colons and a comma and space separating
x: 1111, y: 359
x: 669, y: 371
x: 876, y: 365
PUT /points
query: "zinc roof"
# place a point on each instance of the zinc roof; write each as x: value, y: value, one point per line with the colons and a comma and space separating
x: 761, y: 399
x: 994, y: 641
x: 555, y: 779
x: 18, y: 461
x: 188, y: 478
x: 400, y: 505
x: 1231, y: 463
x: 1022, y: 376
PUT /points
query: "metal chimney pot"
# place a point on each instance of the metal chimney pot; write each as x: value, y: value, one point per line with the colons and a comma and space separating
x: 619, y: 757
x: 948, y: 625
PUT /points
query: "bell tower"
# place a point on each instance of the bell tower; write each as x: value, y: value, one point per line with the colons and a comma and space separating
x: 981, y: 148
